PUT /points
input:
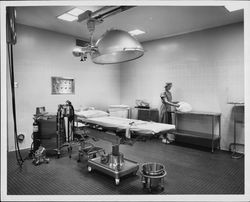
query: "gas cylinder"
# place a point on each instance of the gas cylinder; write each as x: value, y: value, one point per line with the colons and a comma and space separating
x: 35, y: 135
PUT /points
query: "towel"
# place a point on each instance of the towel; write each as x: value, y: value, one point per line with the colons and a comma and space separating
x: 184, y: 107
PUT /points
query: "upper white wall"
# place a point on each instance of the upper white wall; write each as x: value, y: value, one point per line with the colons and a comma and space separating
x: 41, y: 54
x: 206, y: 68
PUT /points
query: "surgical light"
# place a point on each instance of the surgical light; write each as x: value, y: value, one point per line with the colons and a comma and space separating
x: 116, y: 46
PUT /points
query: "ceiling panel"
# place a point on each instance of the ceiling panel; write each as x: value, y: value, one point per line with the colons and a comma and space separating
x: 156, y: 21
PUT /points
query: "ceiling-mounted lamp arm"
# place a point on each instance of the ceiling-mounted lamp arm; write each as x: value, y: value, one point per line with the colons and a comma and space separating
x: 99, y: 15
x: 89, y: 14
x: 102, y: 10
x: 91, y: 27
x: 111, y: 12
x: 86, y: 15
x: 102, y: 13
x: 115, y: 46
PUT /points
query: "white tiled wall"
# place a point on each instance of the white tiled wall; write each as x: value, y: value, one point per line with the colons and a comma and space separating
x: 41, y: 54
x: 206, y: 68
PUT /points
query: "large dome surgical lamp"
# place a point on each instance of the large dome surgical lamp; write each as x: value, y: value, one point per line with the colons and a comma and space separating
x: 115, y: 46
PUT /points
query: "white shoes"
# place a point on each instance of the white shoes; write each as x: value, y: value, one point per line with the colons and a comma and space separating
x: 165, y: 141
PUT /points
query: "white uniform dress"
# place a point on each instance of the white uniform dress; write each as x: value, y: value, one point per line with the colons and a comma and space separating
x: 165, y: 111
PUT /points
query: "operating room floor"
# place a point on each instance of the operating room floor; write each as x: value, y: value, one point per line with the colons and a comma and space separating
x: 189, y: 171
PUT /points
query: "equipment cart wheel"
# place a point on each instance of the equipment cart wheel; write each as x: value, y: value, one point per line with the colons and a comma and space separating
x: 79, y: 158
x: 70, y: 151
x: 89, y: 168
x: 117, y: 181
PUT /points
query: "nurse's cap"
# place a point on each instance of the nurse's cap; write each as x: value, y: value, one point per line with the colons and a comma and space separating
x: 167, y: 84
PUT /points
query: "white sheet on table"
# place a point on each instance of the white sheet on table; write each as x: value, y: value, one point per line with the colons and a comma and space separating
x: 91, y: 113
x: 136, y: 125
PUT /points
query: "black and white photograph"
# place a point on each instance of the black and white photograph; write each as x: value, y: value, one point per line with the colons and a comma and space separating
x: 125, y: 100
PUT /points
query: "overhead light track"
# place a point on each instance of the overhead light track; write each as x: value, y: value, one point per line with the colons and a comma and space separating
x: 102, y: 13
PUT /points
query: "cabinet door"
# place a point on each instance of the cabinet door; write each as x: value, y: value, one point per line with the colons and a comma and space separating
x: 148, y: 115
x: 144, y: 114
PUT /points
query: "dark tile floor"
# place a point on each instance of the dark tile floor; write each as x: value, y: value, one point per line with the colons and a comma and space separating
x: 189, y: 171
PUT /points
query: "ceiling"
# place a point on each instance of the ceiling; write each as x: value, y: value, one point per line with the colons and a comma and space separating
x: 157, y: 21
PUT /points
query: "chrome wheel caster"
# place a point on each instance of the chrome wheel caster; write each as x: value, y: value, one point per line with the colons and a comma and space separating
x: 117, y: 181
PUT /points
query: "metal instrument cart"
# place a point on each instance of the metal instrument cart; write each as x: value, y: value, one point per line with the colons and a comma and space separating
x: 65, y: 127
x: 55, y: 132
x: 50, y: 137
x: 113, y: 171
x: 116, y: 169
x: 208, y: 139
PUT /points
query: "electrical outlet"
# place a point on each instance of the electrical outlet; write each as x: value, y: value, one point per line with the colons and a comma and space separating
x: 20, y: 137
x: 16, y: 84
